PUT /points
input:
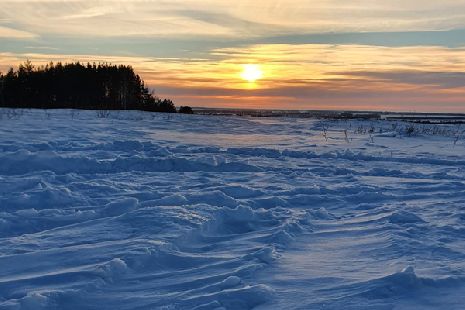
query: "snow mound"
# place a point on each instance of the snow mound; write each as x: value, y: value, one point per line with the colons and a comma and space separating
x: 401, y: 283
x: 404, y: 217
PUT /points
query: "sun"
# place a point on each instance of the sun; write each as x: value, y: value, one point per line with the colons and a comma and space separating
x: 251, y: 73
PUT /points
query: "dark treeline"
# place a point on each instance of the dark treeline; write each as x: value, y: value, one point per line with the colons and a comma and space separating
x: 78, y: 86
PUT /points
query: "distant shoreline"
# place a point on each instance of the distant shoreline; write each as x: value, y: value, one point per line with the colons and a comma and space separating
x: 422, y: 117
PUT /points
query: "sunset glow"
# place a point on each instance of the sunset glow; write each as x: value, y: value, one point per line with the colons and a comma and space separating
x: 293, y: 56
x: 251, y: 73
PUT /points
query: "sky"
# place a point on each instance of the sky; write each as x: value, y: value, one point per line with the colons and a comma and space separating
x: 392, y: 55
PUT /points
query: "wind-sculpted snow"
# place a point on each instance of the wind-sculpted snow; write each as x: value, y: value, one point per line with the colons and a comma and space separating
x: 148, y: 211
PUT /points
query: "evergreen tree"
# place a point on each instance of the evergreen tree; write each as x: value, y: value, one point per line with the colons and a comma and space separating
x: 77, y: 86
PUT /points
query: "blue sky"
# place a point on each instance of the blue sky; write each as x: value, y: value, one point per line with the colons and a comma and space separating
x: 382, y: 55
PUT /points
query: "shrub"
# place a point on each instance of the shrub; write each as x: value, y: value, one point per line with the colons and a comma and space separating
x: 186, y: 110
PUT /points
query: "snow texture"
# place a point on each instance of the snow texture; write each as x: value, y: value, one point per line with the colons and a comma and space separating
x: 153, y: 211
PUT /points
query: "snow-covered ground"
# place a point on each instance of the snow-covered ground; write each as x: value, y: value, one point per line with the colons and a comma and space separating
x: 153, y: 211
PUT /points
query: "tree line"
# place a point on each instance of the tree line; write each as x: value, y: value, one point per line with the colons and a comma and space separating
x: 79, y: 86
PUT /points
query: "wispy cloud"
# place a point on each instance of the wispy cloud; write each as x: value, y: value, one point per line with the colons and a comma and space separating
x: 11, y: 33
x: 230, y: 19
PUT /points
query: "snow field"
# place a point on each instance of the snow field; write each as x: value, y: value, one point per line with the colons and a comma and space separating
x: 147, y: 211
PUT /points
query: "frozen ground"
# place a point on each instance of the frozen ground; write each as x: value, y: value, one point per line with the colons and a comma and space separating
x: 149, y: 211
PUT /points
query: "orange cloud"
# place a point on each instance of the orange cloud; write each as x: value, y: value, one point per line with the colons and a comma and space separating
x: 307, y: 76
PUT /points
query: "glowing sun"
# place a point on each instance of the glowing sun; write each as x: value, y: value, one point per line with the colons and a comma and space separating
x: 251, y: 73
